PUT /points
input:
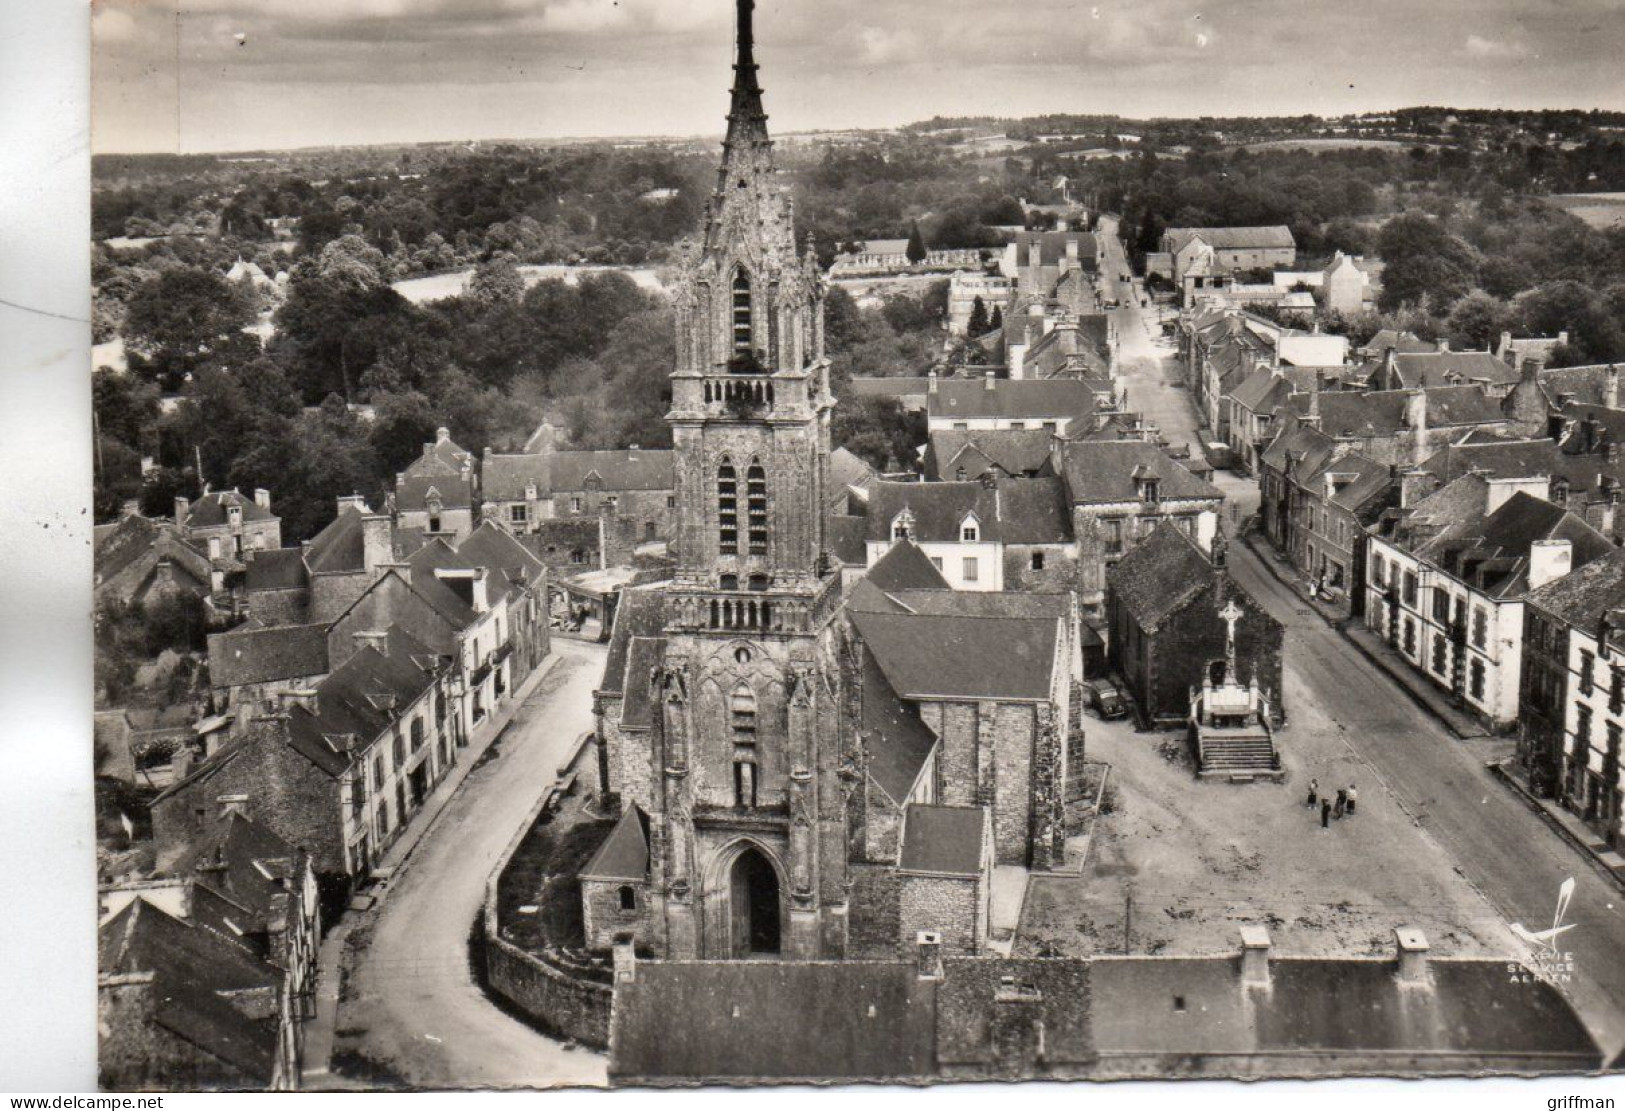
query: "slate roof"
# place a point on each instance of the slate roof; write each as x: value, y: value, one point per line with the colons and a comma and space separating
x: 339, y: 546
x: 1230, y: 239
x: 194, y: 971
x: 506, y: 476
x: 845, y: 537
x: 1522, y: 459
x: 945, y: 840
x: 1443, y: 368
x: 265, y: 655
x: 361, y: 700
x: 1583, y: 384
x: 846, y: 469
x: 1383, y: 412
x: 905, y: 566
x: 1262, y: 391
x: 640, y: 613
x: 134, y: 537
x: 643, y: 655
x: 1403, y: 343
x: 414, y: 492
x: 624, y: 855
x: 1361, y: 479
x: 211, y: 509
x: 243, y: 862
x: 1052, y: 246
x: 1100, y: 471
x: 1160, y: 574
x: 932, y: 658
x: 443, y: 457
x: 1015, y: 511
x: 888, y: 386
x: 276, y: 569
x: 772, y: 1020
x: 500, y: 553
x: 1587, y: 594
x: 1015, y: 452
x: 946, y: 602
x: 1012, y: 399
x: 897, y: 741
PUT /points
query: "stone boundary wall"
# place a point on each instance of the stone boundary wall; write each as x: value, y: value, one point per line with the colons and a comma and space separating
x: 553, y: 1000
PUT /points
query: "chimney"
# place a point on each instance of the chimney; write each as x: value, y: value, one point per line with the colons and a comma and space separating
x: 928, y: 955
x: 298, y: 696
x: 1549, y: 560
x: 625, y: 958
x: 1416, y: 419
x: 1563, y: 337
x: 262, y: 497
x: 1413, y: 955
x: 1507, y: 353
x: 1414, y: 485
x: 1538, y: 362
x: 931, y: 381
x: 1071, y: 251
x: 183, y: 506
x: 1390, y: 369
x: 377, y: 548
x: 353, y: 501
x: 1017, y: 1028
x: 1610, y: 387
x: 1444, y: 345
x: 1255, y: 956
x: 442, y: 435
x: 482, y: 600
x: 989, y: 380
x: 372, y: 639
x: 1035, y: 253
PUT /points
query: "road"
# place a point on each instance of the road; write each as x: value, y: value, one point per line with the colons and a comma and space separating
x: 411, y: 1004
x: 1497, y: 843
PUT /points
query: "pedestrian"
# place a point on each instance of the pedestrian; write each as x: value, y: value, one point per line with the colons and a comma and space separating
x: 1342, y: 803
x: 1314, y: 792
x: 1325, y: 813
x: 1353, y: 796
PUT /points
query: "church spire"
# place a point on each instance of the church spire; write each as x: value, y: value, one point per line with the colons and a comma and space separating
x: 747, y: 121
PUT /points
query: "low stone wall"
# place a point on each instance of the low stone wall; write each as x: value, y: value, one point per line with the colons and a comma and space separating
x: 555, y: 1001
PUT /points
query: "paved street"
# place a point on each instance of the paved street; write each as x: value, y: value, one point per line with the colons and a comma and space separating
x: 411, y: 1004
x: 1497, y: 843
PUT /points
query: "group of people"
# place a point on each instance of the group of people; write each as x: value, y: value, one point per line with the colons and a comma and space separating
x: 1344, y: 804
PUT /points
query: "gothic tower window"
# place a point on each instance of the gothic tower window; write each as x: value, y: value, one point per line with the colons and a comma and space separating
x: 741, y: 314
x: 742, y: 710
x: 728, y: 509
x: 756, y: 503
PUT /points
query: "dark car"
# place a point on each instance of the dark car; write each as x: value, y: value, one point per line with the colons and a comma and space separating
x: 1107, y: 699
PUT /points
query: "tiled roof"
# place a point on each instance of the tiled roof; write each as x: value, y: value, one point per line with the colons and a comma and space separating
x: 267, y: 655
x: 196, y: 973
x: 1101, y: 470
x: 1012, y: 399
x: 927, y: 657
x: 624, y: 855
x: 1161, y: 573
x: 944, y: 839
x: 276, y: 569
x: 1587, y: 594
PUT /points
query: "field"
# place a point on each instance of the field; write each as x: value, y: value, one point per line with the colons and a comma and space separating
x: 1600, y: 210
x: 1328, y: 144
x: 437, y: 287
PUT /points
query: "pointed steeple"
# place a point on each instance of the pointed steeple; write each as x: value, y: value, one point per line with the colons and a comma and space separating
x: 747, y: 121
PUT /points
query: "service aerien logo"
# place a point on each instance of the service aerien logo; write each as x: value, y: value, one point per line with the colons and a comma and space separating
x: 1549, y: 961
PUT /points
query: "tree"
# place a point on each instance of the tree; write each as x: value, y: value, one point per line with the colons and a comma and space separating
x: 1478, y: 320
x: 1424, y: 264
x: 496, y: 282
x: 182, y: 311
x: 998, y: 319
x: 878, y: 430
x: 978, y: 324
x: 916, y: 245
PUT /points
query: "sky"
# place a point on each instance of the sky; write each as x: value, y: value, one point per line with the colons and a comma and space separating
x: 232, y: 75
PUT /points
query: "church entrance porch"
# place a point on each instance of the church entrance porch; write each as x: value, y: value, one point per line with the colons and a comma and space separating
x: 754, y: 912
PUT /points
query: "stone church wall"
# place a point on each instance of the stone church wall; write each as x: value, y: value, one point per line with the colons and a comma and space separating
x: 872, y: 927
x: 944, y: 903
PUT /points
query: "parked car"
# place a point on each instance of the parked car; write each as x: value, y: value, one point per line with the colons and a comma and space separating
x: 1107, y: 700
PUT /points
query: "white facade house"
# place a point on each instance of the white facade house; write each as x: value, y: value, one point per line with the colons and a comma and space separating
x: 970, y: 562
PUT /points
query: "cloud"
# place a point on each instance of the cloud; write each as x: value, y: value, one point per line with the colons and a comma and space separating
x: 1479, y: 47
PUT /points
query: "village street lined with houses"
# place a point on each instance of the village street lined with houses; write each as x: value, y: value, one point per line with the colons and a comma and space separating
x: 1086, y: 637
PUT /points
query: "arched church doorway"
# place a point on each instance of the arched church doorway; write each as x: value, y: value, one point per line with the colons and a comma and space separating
x: 754, y: 904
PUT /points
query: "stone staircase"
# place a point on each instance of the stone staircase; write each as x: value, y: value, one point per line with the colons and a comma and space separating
x: 1251, y: 755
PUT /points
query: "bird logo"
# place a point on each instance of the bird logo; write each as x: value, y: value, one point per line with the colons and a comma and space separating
x: 1546, y: 940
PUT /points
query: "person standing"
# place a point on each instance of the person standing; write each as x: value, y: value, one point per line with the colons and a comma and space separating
x: 1314, y: 793
x: 1325, y: 813
x: 1341, y: 804
x: 1353, y: 797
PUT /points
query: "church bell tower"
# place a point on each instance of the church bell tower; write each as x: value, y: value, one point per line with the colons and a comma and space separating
x: 748, y: 836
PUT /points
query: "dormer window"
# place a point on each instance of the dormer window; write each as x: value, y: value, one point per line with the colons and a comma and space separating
x: 970, y: 531
x: 234, y: 514
x: 902, y: 526
x: 1150, y: 490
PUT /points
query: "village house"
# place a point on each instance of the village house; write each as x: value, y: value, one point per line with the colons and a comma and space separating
x: 1444, y: 367
x: 139, y: 560
x: 1039, y: 262
x: 1065, y: 346
x: 436, y: 495
x: 1254, y: 1011
x: 964, y: 288
x: 986, y: 535
x: 956, y: 456
x: 339, y: 770
x: 1062, y: 405
x: 1232, y: 249
x: 1447, y: 577
x: 1167, y: 633
x: 227, y: 525
x: 1517, y: 350
x: 251, y: 666
x: 1584, y: 469
x: 1572, y: 705
x: 1120, y: 491
x: 522, y: 491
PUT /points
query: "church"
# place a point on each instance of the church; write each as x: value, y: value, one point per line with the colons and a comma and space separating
x: 802, y: 771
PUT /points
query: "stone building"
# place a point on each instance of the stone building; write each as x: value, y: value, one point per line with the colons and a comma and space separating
x: 436, y: 495
x: 1165, y: 612
x: 227, y: 525
x: 773, y: 739
x: 1262, y: 248
x: 522, y: 492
